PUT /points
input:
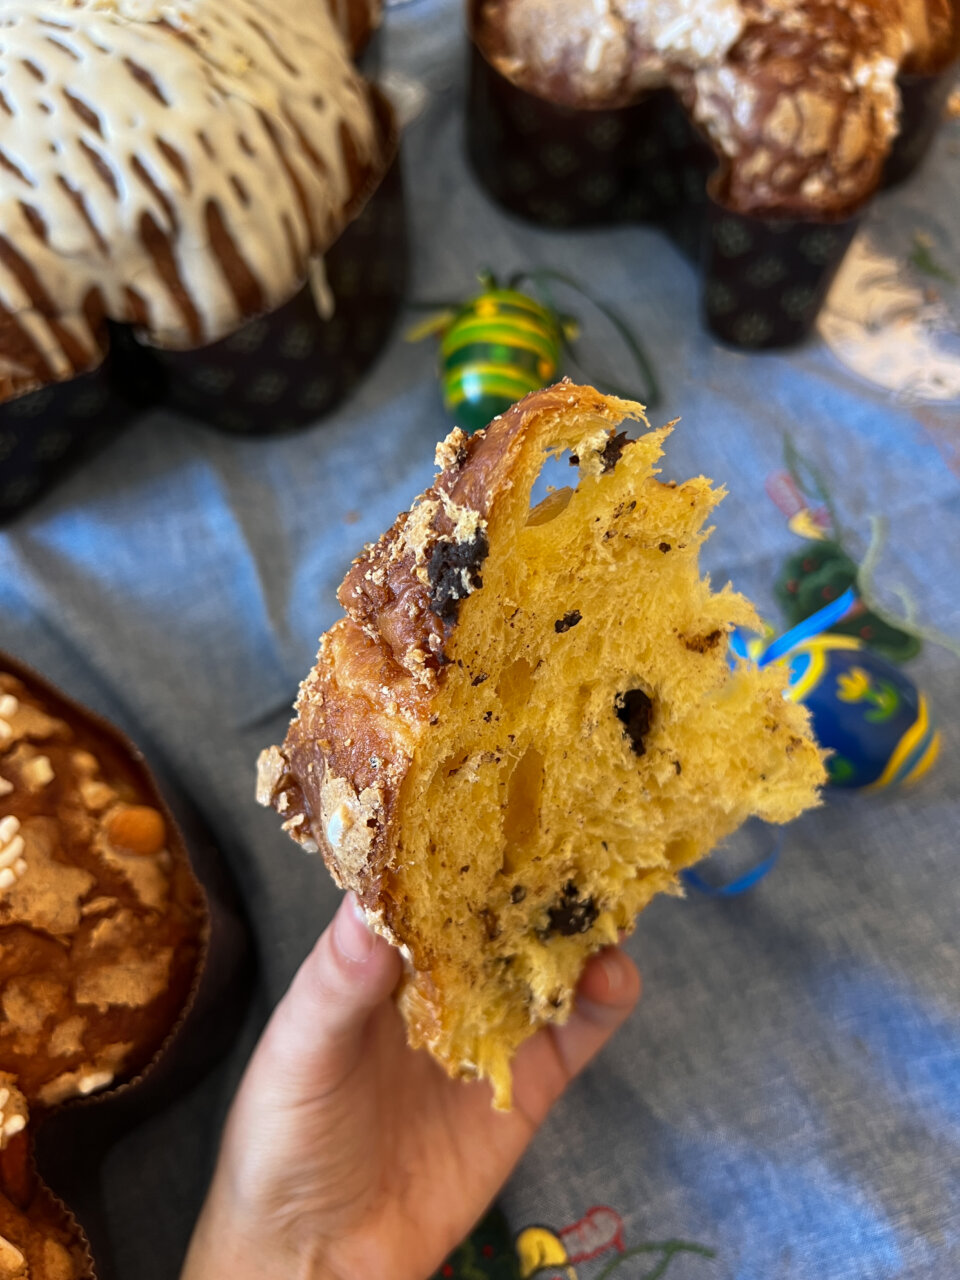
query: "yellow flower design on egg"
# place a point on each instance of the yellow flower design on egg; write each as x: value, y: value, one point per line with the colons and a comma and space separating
x: 853, y: 685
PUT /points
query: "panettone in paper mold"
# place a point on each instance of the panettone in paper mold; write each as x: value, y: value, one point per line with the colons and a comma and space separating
x: 121, y: 978
x: 169, y: 173
x: 755, y: 133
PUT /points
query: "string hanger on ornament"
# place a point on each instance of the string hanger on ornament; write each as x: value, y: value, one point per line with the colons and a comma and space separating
x: 828, y: 565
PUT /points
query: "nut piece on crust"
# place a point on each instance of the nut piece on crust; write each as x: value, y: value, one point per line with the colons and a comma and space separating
x: 526, y: 725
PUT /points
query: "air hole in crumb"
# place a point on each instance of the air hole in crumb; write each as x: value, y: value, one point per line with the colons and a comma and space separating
x: 453, y: 764
x: 515, y: 685
x: 551, y: 490
x: 551, y: 506
x: 521, y: 815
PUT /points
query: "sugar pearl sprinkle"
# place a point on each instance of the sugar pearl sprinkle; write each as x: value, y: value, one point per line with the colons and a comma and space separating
x: 9, y: 706
x: 12, y: 862
x: 91, y: 1081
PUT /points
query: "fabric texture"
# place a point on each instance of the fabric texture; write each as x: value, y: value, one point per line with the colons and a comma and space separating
x: 788, y: 1093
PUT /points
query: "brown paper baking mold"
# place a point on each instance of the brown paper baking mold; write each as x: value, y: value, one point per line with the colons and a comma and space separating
x: 68, y: 1142
x: 763, y: 280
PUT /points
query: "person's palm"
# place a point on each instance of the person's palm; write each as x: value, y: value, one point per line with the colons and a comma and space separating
x: 348, y: 1155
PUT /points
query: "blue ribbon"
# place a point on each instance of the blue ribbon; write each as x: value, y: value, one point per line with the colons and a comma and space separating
x: 818, y: 622
x: 809, y: 627
x: 693, y: 880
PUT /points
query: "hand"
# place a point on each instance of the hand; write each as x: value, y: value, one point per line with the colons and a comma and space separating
x: 347, y: 1155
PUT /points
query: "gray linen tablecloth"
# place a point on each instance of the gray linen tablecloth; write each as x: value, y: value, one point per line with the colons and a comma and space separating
x: 789, y: 1091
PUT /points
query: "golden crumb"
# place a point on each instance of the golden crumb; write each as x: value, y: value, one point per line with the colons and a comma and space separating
x: 581, y: 740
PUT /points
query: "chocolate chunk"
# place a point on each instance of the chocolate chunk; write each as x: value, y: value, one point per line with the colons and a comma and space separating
x: 611, y: 451
x: 570, y: 915
x: 454, y: 571
x: 567, y: 621
x: 634, y: 709
x: 665, y: 547
x: 703, y: 644
x: 491, y: 924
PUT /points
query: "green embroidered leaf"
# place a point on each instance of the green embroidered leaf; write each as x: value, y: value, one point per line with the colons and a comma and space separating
x: 921, y: 257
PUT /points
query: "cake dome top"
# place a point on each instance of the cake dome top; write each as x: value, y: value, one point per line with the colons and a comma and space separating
x: 799, y: 98
x: 174, y: 164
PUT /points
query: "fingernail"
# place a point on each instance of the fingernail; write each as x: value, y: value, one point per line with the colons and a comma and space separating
x: 354, y: 937
x: 613, y: 971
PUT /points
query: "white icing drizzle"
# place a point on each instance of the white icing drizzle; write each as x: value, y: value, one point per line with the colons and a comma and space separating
x: 134, y: 134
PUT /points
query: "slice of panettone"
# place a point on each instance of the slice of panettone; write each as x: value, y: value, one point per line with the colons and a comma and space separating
x: 527, y: 724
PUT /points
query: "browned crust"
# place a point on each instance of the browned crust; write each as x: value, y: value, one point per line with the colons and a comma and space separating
x: 357, y: 19
x: 384, y: 593
x: 370, y: 695
x: 798, y: 128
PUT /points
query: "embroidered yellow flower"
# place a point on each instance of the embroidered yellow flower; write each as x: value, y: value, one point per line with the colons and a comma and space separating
x: 853, y: 685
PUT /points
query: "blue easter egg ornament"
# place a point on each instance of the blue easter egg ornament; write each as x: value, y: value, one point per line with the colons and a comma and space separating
x: 866, y: 712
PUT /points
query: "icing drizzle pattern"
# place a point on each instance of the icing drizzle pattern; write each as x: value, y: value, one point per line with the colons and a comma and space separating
x: 174, y: 164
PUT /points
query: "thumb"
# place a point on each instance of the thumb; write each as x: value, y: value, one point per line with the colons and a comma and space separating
x: 315, y: 1036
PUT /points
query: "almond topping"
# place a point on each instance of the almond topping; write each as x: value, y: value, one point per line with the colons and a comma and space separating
x: 136, y: 828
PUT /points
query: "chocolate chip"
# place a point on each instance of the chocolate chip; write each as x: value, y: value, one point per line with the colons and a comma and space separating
x: 490, y: 923
x: 517, y: 893
x: 488, y: 716
x: 454, y: 571
x: 703, y: 644
x: 611, y: 451
x: 567, y: 621
x: 665, y: 546
x: 479, y: 679
x: 634, y: 709
x: 678, y: 766
x: 569, y: 915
